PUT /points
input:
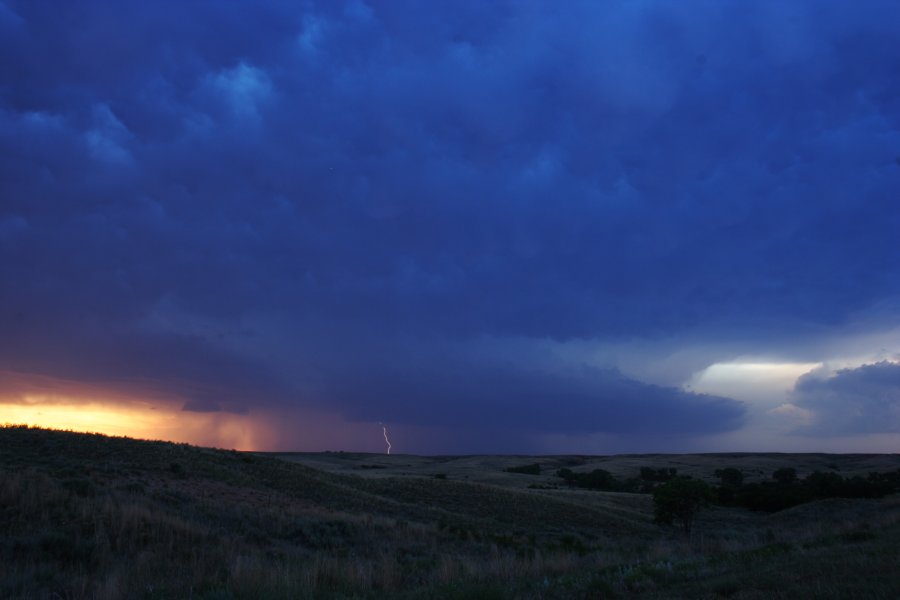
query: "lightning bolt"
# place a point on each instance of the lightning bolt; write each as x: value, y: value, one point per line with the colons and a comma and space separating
x: 386, y: 440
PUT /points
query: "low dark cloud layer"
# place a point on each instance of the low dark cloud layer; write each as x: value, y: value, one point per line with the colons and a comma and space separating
x: 852, y: 401
x: 256, y: 200
x: 531, y: 398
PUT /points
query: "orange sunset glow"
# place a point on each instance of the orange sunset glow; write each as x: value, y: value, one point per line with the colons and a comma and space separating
x: 138, y: 410
x: 221, y: 430
x: 60, y: 404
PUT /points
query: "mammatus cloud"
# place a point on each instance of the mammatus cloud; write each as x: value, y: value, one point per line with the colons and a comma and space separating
x: 861, y: 400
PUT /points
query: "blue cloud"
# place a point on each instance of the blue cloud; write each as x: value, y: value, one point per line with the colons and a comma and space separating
x: 585, y: 400
x: 363, y: 174
x: 852, y: 401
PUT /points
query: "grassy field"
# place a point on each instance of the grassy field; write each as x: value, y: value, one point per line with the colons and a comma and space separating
x: 491, y: 469
x: 89, y: 516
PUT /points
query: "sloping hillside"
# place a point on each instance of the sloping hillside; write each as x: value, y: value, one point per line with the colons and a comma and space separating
x: 89, y: 516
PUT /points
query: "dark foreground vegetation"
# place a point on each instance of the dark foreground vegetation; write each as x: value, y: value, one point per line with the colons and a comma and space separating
x: 88, y: 516
x: 784, y: 490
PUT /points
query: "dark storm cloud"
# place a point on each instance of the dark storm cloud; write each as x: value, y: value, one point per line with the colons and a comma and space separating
x: 584, y: 400
x: 353, y: 174
x: 191, y: 366
x: 852, y: 401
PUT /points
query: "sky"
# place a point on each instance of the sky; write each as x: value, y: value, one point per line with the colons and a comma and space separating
x: 506, y: 227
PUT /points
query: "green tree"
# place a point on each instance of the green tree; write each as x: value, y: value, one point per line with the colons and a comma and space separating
x: 785, y: 475
x: 730, y: 476
x: 570, y: 476
x: 661, y: 474
x: 598, y: 479
x: 679, y: 500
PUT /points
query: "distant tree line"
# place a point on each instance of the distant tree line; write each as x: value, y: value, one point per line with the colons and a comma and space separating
x: 603, y: 480
x: 786, y: 489
x: 678, y: 498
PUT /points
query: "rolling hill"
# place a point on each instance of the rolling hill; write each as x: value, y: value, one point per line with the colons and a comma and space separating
x: 91, y: 516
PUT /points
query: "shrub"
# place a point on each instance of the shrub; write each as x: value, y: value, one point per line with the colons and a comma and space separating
x: 785, y: 475
x: 679, y: 500
x: 772, y: 497
x: 598, y: 479
x: 568, y: 475
x: 661, y: 474
x: 534, y: 469
x: 730, y: 476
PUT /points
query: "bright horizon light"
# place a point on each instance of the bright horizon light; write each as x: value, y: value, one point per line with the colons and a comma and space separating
x: 756, y: 380
x: 136, y: 420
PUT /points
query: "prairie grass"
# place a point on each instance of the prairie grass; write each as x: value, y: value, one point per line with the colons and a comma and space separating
x: 93, y: 517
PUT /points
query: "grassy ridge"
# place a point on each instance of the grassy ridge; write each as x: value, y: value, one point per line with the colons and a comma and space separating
x: 89, y: 516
